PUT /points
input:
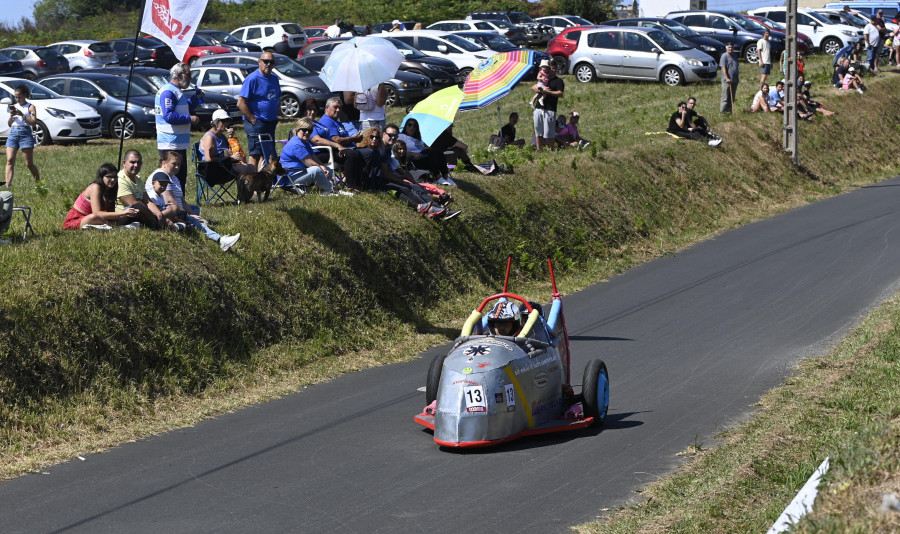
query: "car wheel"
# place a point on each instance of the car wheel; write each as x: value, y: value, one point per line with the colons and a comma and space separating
x: 595, y: 391
x: 290, y: 106
x: 41, y: 134
x: 466, y: 71
x: 121, y: 126
x: 433, y: 380
x: 584, y: 73
x: 391, y: 97
x: 750, y: 53
x: 30, y: 76
x: 191, y: 61
x: 672, y: 76
x: 830, y: 46
x: 561, y: 63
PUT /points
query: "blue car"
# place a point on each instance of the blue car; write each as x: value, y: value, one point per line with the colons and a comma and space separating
x: 106, y: 94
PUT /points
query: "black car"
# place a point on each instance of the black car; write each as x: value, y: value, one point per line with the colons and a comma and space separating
x: 218, y: 37
x: 382, y: 27
x: 150, y: 53
x: 11, y: 67
x: 442, y: 72
x: 152, y: 80
x: 713, y: 47
x: 498, y: 43
x: 538, y: 34
x: 404, y: 88
x: 731, y: 27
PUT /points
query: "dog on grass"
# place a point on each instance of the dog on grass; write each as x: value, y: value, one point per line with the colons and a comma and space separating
x: 259, y: 182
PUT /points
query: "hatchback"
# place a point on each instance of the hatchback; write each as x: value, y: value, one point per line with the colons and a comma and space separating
x: 561, y: 22
x: 283, y: 37
x: 59, y: 119
x: 11, y: 67
x: 86, y: 54
x: 218, y: 37
x: 37, y: 61
x: 639, y: 54
x: 564, y: 45
x: 730, y: 27
x: 150, y: 52
x: 466, y: 55
x: 711, y: 46
x: 106, y: 93
x: 826, y: 35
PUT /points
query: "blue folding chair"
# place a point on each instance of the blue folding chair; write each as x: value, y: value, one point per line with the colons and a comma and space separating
x: 280, y: 181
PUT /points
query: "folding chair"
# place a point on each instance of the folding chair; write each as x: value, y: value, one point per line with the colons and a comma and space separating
x: 281, y: 181
x: 207, y: 192
x: 26, y: 212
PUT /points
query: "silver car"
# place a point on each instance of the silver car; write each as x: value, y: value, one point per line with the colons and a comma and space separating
x: 297, y: 82
x: 639, y: 54
x: 37, y: 61
x: 87, y: 54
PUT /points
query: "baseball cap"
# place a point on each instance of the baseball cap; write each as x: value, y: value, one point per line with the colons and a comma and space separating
x: 395, y: 22
x: 574, y: 114
x: 544, y: 63
x: 161, y: 177
x: 220, y: 115
x: 807, y: 82
x: 851, y: 69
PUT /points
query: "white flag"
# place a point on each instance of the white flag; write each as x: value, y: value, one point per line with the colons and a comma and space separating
x: 174, y: 22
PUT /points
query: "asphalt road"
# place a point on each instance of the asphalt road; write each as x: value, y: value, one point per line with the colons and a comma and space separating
x: 691, y: 341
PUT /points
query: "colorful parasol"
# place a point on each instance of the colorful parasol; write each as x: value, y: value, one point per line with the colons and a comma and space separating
x: 436, y: 113
x: 495, y: 77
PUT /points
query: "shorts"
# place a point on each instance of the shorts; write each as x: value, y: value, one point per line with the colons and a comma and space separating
x: 544, y: 123
x: 20, y: 137
x: 73, y: 220
x: 766, y: 69
x: 254, y: 130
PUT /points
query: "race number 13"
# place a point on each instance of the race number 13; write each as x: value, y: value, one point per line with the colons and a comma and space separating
x: 475, y: 400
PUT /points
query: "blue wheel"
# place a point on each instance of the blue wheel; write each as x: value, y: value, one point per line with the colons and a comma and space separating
x: 595, y: 391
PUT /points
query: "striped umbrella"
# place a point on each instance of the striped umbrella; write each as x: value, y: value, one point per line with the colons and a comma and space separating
x: 495, y: 77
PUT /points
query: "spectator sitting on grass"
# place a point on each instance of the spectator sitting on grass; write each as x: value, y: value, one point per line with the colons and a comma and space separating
x: 761, y: 99
x: 508, y: 132
x: 301, y: 162
x: 852, y: 81
x: 6, y: 211
x: 805, y: 100
x: 95, y: 206
x: 680, y: 124
x: 130, y: 193
x: 433, y: 157
x: 776, y: 97
x: 837, y: 77
x: 171, y: 200
x: 428, y: 201
x: 569, y: 135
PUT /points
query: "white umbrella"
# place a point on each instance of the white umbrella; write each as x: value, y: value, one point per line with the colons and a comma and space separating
x: 360, y: 64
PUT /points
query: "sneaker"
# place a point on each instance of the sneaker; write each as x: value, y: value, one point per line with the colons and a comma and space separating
x: 449, y: 181
x: 715, y: 142
x: 227, y: 241
x: 584, y: 144
x: 132, y: 226
x: 451, y: 214
x: 345, y: 193
x: 422, y: 208
x: 97, y: 226
x: 180, y: 226
x: 860, y: 91
x: 328, y: 194
x: 442, y: 181
x: 434, y: 211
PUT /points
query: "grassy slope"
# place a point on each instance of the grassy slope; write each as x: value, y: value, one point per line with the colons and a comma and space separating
x: 106, y: 337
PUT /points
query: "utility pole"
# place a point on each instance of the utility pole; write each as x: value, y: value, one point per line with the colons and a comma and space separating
x: 790, y: 105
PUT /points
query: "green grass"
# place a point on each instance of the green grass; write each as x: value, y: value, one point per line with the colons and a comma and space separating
x: 106, y: 337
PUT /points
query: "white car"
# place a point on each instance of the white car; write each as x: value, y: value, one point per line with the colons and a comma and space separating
x: 87, y: 54
x: 855, y: 18
x: 561, y: 22
x: 59, y: 118
x: 464, y: 25
x: 466, y: 55
x: 826, y: 36
x: 283, y: 37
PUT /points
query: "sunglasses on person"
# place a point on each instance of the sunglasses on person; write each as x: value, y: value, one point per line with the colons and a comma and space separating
x: 307, y: 130
x: 391, y: 135
x: 373, y: 136
x: 267, y: 61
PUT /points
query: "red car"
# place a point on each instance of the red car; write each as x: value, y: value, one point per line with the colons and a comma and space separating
x: 804, y: 43
x: 563, y: 45
x: 197, y: 49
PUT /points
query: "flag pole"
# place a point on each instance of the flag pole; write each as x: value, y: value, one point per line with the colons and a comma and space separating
x: 137, y: 34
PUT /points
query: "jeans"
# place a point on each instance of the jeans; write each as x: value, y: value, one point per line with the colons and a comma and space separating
x: 194, y: 221
x: 254, y: 130
x: 20, y: 137
x: 312, y: 175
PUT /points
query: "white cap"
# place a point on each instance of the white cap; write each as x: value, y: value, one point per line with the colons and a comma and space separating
x: 220, y: 115
x: 395, y: 22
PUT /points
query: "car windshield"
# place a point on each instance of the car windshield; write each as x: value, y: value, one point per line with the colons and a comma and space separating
x: 203, y: 40
x: 462, y: 43
x: 678, y: 28
x: 578, y: 20
x: 749, y: 25
x: 38, y: 92
x: 496, y: 42
x: 289, y: 67
x: 518, y: 17
x: 859, y: 21
x: 118, y: 87
x: 47, y: 53
x: 292, y: 28
x: 405, y: 49
x: 222, y: 37
x: 667, y: 41
x: 501, y: 24
x: 775, y: 25
x: 145, y: 84
x: 819, y: 17
x: 100, y: 47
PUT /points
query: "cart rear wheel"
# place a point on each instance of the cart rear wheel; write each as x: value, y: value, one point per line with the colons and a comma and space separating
x: 595, y: 390
x: 433, y: 380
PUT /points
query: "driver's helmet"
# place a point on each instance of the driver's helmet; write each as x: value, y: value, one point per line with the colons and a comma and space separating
x: 504, y: 312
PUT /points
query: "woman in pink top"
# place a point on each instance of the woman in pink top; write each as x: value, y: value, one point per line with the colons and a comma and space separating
x: 96, y: 205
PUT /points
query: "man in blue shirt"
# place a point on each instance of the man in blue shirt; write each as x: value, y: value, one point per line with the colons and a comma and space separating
x: 259, y: 101
x: 336, y: 131
x: 175, y: 103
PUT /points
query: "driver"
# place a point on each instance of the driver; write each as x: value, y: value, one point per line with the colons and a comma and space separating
x: 504, y: 319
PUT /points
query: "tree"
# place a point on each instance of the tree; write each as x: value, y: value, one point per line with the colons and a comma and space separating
x: 55, y: 11
x: 596, y: 11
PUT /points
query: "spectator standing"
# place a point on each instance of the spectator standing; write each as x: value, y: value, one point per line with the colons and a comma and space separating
x: 175, y: 104
x: 95, y: 206
x: 370, y: 104
x: 873, y: 45
x: 333, y: 31
x: 6, y: 211
x: 545, y: 107
x: 130, y: 193
x: 22, y: 116
x: 730, y: 78
x: 764, y: 52
x: 259, y: 101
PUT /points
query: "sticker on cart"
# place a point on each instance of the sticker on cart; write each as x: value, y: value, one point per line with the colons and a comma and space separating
x: 510, y: 398
x: 475, y: 399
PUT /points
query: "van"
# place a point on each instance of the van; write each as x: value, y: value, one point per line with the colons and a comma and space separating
x: 889, y: 10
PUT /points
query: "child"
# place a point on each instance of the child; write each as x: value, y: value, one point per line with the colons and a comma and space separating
x: 542, y: 80
x: 570, y: 135
x: 508, y: 132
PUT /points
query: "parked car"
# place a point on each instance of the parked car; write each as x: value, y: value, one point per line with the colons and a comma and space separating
x: 857, y: 19
x: 561, y: 22
x: 639, y: 54
x: 282, y: 37
x: 59, y: 119
x: 383, y: 27
x: 150, y: 52
x: 11, y: 68
x: 890, y: 11
x: 498, y: 43
x: 218, y: 37
x: 37, y: 60
x: 730, y: 27
x: 297, y: 82
x: 516, y: 34
x: 153, y: 79
x: 464, y: 54
x: 538, y: 34
x: 314, y: 33
x: 454, y: 26
x: 804, y: 43
x: 106, y: 93
x: 711, y: 46
x: 86, y: 54
x: 197, y: 49
x: 403, y: 89
x: 563, y: 45
x: 826, y: 36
